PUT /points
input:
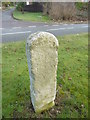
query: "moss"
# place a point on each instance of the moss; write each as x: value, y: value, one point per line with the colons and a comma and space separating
x: 45, y: 107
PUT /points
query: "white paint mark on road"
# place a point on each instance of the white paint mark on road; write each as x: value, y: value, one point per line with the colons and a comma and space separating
x: 55, y: 29
x: 1, y: 28
x: 16, y: 27
x: 16, y: 33
x: 59, y: 29
x: 31, y: 26
x: 84, y: 26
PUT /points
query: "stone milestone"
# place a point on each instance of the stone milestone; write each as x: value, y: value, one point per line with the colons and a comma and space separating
x: 42, y: 57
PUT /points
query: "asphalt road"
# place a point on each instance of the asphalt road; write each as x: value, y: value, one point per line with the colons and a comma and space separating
x: 16, y: 30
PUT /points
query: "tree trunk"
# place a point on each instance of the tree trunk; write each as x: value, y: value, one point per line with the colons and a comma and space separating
x: 22, y: 10
x: 60, y: 11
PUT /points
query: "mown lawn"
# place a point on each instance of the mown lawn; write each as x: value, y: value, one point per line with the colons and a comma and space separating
x: 31, y: 16
x: 72, y: 80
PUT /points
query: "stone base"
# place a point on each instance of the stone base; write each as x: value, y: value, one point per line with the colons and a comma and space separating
x: 45, y: 107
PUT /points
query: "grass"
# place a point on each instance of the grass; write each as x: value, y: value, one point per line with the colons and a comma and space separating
x: 72, y: 80
x: 31, y: 16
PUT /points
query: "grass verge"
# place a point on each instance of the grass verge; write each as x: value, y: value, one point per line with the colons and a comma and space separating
x: 72, y: 80
x: 31, y: 16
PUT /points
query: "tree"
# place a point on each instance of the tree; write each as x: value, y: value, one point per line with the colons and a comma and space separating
x: 5, y: 4
x: 60, y: 11
x: 20, y: 6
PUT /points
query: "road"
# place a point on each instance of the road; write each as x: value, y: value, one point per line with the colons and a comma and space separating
x: 16, y: 30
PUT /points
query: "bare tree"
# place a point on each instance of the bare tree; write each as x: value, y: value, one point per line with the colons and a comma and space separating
x: 60, y: 10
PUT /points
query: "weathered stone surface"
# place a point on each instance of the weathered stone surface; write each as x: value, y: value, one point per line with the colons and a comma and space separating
x: 42, y: 56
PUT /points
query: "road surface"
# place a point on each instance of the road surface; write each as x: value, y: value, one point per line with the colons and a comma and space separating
x: 16, y: 30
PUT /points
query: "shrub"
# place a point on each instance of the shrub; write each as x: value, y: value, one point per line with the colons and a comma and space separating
x: 81, y: 5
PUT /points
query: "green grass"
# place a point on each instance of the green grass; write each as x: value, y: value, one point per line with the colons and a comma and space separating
x: 31, y: 16
x: 72, y: 80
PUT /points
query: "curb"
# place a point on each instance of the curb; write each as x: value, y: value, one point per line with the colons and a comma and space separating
x: 15, y: 18
x: 29, y: 21
x: 53, y: 22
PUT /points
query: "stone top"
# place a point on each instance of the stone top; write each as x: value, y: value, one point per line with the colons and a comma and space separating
x: 42, y: 35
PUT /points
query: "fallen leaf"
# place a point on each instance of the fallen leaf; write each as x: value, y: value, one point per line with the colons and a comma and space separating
x: 69, y: 78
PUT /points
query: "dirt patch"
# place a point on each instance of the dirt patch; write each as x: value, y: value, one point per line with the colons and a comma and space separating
x: 28, y: 111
